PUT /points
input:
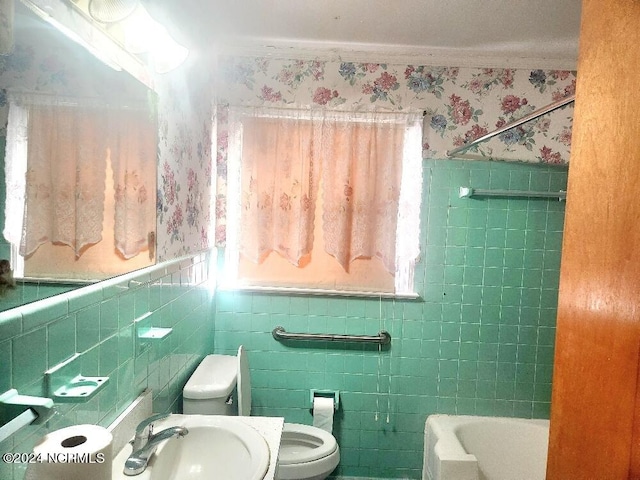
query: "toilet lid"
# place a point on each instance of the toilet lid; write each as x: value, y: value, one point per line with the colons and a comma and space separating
x: 244, y: 383
x: 304, y: 443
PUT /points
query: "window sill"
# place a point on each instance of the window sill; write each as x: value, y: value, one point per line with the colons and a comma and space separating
x: 315, y: 292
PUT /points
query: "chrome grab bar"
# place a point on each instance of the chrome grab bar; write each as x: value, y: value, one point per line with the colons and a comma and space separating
x: 383, y: 337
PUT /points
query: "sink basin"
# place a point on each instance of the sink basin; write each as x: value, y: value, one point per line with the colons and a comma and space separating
x: 216, y: 448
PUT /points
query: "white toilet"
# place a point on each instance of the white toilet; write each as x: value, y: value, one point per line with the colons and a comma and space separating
x: 306, y: 452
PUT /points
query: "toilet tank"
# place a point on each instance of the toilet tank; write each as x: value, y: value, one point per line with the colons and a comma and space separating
x: 210, y: 388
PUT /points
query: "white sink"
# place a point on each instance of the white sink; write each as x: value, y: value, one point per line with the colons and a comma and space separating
x: 216, y: 448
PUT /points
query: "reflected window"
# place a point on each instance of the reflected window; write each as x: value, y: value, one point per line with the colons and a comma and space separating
x: 80, y: 189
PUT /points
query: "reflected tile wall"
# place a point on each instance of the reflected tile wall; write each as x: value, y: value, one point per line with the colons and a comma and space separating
x: 99, y: 321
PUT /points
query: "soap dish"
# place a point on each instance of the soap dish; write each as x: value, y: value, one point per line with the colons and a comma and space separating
x: 65, y: 383
x: 153, y: 333
x: 79, y: 389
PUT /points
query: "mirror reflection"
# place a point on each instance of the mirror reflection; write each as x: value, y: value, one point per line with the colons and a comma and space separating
x: 78, y: 166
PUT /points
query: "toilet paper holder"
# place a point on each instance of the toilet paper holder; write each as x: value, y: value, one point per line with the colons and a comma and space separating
x: 335, y: 394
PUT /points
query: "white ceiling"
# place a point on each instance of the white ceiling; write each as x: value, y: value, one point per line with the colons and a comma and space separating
x: 498, y: 33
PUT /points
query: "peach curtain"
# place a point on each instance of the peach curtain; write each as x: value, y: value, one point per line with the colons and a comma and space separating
x: 279, y: 178
x: 362, y: 171
x: 132, y: 148
x: 56, y: 181
x: 66, y: 161
x: 359, y: 158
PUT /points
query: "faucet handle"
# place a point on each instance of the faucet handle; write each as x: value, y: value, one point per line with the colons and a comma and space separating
x: 145, y: 429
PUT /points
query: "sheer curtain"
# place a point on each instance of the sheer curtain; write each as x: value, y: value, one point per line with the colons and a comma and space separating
x: 369, y: 164
x: 56, y: 166
x: 132, y: 146
x: 64, y: 189
x: 362, y: 172
x: 15, y: 167
x: 279, y: 178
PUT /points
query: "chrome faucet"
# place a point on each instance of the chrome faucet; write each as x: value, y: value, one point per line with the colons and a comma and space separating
x: 146, y: 442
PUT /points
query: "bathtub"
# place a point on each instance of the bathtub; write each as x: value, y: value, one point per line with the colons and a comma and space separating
x: 460, y: 447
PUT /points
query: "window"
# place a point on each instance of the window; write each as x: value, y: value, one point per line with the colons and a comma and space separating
x: 323, y: 201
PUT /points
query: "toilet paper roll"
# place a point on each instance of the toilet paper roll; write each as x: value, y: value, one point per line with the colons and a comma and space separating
x: 79, y: 452
x: 323, y: 413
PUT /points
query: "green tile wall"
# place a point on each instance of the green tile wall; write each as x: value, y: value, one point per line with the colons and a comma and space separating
x: 480, y: 340
x: 31, y: 292
x: 98, y: 321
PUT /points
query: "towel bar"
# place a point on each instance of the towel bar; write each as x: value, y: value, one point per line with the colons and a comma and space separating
x: 34, y: 410
x: 467, y: 192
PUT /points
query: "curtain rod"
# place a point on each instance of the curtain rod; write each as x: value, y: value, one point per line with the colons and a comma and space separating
x: 310, y: 108
x: 515, y: 123
x: 41, y: 98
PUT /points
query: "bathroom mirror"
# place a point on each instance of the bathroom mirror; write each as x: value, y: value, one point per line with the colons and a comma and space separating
x: 46, y: 67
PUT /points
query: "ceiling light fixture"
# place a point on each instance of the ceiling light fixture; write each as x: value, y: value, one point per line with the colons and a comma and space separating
x: 140, y: 31
x: 111, y: 11
x: 144, y: 35
x: 168, y: 54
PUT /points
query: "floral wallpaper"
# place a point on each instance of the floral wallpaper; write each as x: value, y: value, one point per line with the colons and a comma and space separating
x: 459, y: 105
x: 6, y: 26
x: 184, y: 163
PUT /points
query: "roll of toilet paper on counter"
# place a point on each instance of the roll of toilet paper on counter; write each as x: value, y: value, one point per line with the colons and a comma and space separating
x: 323, y: 413
x: 79, y: 452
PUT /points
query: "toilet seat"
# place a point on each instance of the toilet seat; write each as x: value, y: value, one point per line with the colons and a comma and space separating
x: 306, y: 452
x: 303, y: 443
